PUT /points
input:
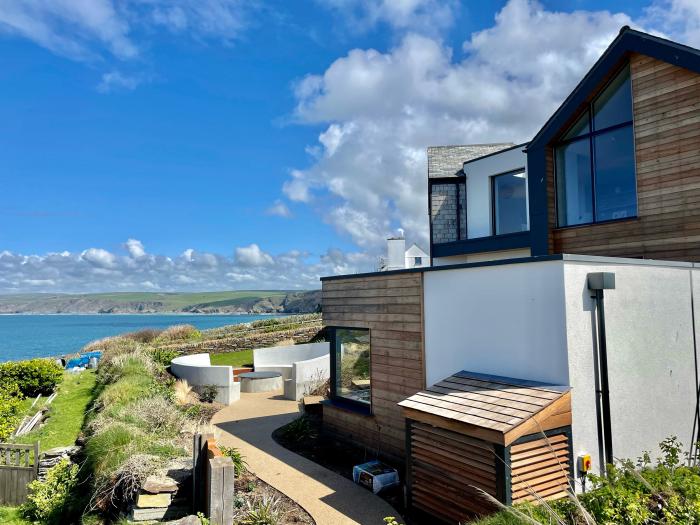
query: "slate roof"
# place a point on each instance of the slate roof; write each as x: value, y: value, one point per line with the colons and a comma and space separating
x: 447, y: 161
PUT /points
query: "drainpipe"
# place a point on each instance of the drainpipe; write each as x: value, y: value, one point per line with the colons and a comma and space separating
x: 597, y: 283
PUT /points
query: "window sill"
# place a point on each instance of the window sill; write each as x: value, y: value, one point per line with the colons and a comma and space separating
x: 349, y: 406
x: 599, y: 223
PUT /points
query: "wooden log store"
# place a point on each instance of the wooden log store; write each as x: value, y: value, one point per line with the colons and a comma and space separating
x: 508, y: 437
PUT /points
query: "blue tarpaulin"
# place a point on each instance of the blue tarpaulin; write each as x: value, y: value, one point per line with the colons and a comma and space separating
x: 83, y: 360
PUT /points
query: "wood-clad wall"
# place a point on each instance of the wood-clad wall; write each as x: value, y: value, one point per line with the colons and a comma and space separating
x: 391, y: 306
x: 666, y: 101
x: 540, y: 468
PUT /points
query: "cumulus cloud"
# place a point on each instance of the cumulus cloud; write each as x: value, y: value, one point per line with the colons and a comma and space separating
x: 680, y: 18
x: 96, y: 269
x: 382, y: 109
x: 90, y: 30
x: 252, y: 256
x: 280, y: 209
x: 135, y: 248
x: 428, y: 16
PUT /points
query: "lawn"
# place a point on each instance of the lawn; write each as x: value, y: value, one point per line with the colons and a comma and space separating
x: 66, y: 413
x: 240, y: 358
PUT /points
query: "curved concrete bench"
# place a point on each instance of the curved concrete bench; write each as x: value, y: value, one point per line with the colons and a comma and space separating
x: 199, y: 372
x: 303, y: 367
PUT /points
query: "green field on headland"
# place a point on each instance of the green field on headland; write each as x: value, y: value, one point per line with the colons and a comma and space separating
x: 241, y: 301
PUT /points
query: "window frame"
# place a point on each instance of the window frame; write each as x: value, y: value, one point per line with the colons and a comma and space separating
x: 342, y: 401
x: 590, y: 137
x: 492, y: 196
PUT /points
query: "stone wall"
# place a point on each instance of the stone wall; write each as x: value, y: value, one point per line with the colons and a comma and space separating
x: 443, y: 209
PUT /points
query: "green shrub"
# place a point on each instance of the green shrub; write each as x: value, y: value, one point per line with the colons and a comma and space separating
x: 208, y: 393
x: 10, y: 406
x: 643, y: 494
x: 33, y: 377
x: 301, y: 429
x: 262, y: 511
x: 49, y: 501
x: 163, y: 356
x: 239, y: 463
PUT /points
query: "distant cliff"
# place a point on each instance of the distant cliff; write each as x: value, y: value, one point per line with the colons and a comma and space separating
x: 236, y: 302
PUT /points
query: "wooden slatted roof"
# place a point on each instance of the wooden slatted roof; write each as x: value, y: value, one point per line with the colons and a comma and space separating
x: 497, y: 409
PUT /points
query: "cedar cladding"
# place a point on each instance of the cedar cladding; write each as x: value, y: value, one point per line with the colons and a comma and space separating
x: 666, y: 104
x: 391, y: 306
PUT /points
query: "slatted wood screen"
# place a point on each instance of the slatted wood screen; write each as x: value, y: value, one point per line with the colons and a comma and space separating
x: 445, y: 467
x: 541, y: 467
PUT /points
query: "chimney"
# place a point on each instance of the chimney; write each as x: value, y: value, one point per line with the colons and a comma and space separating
x: 396, y: 252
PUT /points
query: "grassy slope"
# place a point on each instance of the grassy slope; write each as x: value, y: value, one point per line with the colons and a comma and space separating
x: 67, y: 412
x: 240, y: 358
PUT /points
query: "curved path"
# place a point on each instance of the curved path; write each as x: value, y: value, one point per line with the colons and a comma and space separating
x: 330, y: 498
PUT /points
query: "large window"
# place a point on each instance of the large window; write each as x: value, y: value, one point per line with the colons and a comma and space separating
x: 350, y: 365
x: 509, y: 198
x: 595, y: 173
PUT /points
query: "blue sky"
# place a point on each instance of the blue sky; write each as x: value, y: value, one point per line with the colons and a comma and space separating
x: 239, y: 141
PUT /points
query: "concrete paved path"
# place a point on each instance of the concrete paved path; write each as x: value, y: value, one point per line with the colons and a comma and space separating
x: 330, y: 498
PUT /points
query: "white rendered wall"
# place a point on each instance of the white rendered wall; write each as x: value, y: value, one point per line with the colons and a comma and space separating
x: 198, y: 371
x: 481, y: 257
x: 536, y: 320
x: 410, y: 257
x: 506, y: 320
x: 650, y: 355
x: 479, y: 173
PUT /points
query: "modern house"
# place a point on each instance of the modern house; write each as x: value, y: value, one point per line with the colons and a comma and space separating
x: 560, y: 301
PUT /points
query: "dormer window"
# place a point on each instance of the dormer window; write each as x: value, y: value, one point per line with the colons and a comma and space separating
x: 595, y: 171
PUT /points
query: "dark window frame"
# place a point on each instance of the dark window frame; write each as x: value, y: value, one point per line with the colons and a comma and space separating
x: 492, y: 184
x: 590, y: 137
x: 341, y: 401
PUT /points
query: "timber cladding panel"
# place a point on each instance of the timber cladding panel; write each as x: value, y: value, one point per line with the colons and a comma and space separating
x: 391, y: 306
x: 666, y: 104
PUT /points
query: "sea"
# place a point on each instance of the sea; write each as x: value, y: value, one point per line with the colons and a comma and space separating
x: 28, y: 336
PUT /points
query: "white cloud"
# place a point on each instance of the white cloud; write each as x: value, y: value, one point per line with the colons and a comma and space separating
x: 279, y: 209
x: 87, y: 30
x: 99, y: 257
x: 382, y: 109
x: 70, y: 28
x: 135, y: 248
x: 252, y: 256
x: 96, y: 269
x: 680, y: 18
x: 116, y: 81
x: 428, y: 16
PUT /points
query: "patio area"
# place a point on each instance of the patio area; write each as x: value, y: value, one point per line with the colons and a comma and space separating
x: 328, y: 497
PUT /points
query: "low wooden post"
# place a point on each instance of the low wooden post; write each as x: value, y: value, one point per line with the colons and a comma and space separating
x: 220, y: 491
x: 200, y: 452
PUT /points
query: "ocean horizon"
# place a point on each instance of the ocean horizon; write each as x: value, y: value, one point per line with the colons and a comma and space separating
x: 26, y: 336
